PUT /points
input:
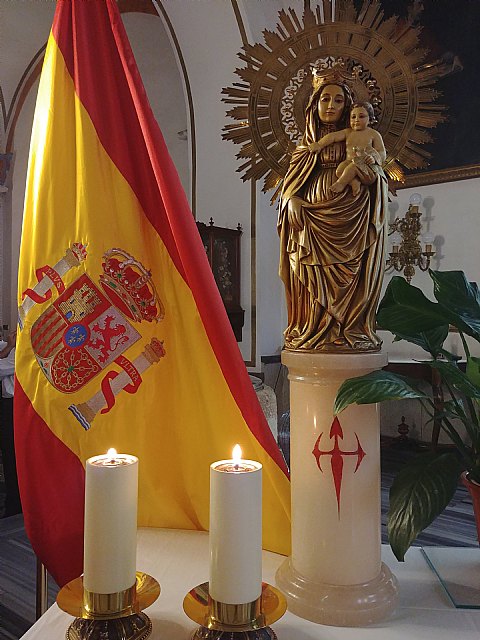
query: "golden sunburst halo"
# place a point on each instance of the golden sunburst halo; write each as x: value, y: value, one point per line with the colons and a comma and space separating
x: 386, y: 58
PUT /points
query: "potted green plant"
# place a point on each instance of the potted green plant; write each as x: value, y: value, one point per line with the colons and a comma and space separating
x: 426, y: 484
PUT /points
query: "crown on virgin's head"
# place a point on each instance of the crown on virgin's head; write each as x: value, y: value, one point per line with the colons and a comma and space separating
x: 327, y: 72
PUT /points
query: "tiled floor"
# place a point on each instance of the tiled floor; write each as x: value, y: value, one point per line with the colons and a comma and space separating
x: 17, y: 579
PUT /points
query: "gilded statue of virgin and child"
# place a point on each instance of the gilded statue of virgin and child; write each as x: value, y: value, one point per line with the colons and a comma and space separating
x: 332, y: 224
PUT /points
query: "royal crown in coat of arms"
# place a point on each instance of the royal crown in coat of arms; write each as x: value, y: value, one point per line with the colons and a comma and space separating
x: 88, y: 327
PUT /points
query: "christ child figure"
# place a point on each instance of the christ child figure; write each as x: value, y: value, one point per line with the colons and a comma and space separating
x: 364, y: 147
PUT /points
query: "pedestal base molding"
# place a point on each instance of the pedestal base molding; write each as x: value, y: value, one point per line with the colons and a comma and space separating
x: 354, y: 605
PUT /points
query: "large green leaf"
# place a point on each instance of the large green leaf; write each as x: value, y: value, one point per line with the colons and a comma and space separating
x: 375, y: 387
x: 457, y: 378
x: 460, y: 299
x: 404, y: 310
x: 431, y: 340
x: 419, y: 493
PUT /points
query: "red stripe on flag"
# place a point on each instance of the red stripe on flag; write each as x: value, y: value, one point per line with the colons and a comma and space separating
x: 52, y: 485
x: 109, y: 86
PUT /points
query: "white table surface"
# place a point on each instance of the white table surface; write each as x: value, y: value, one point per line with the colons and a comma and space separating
x: 179, y: 561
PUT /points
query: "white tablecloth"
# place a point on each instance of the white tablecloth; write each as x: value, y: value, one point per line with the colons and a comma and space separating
x: 179, y: 561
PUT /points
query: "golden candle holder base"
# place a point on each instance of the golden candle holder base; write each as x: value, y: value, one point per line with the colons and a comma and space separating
x: 220, y: 621
x: 135, y: 627
x: 109, y: 616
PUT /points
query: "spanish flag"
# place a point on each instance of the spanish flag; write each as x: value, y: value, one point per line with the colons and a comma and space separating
x: 124, y: 341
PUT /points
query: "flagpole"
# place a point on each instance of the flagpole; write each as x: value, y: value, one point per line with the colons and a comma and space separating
x: 41, y: 592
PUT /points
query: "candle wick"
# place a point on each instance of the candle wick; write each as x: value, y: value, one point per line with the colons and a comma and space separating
x: 237, y: 466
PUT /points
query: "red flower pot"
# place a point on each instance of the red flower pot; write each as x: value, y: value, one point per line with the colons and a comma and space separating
x: 474, y: 490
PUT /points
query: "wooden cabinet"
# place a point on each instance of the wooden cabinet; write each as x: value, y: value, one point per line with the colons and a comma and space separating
x: 223, y: 251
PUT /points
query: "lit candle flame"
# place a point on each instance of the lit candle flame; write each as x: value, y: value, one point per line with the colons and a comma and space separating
x: 237, y: 453
x: 112, y: 453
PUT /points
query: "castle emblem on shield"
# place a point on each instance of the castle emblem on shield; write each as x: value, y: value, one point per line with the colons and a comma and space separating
x: 89, y: 327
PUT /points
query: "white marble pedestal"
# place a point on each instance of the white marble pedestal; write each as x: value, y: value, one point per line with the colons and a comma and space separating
x: 335, y: 575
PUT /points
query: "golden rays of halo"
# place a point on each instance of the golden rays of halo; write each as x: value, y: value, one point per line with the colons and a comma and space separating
x: 384, y: 55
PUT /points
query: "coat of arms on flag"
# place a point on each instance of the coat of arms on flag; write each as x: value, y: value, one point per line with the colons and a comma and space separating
x: 88, y: 327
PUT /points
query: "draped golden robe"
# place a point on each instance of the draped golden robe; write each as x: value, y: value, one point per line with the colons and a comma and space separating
x: 333, y: 267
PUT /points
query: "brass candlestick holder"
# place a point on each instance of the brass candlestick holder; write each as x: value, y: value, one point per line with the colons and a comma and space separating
x: 109, y: 616
x: 220, y: 621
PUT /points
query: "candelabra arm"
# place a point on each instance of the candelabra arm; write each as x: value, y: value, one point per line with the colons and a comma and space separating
x: 407, y: 253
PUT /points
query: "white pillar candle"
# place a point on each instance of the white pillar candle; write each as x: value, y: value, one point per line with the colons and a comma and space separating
x: 235, y: 531
x: 110, y: 538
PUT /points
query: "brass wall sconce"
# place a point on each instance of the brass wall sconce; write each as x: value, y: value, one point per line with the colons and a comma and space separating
x: 407, y: 252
